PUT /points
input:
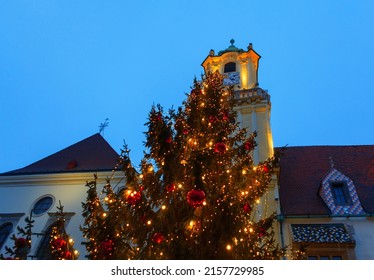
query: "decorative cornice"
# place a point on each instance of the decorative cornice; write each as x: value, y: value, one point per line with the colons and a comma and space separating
x: 31, y: 180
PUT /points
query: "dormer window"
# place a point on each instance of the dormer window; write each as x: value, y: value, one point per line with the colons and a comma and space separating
x: 230, y: 67
x: 340, y: 193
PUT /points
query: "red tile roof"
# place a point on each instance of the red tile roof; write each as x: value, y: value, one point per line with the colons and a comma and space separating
x: 90, y: 154
x: 303, y: 168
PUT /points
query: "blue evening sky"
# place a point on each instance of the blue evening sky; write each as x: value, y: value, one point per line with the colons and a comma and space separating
x: 66, y: 66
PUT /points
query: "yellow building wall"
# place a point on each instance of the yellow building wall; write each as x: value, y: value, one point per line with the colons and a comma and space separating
x: 257, y: 118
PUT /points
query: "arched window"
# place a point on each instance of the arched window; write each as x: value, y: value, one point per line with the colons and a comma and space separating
x: 229, y: 67
x: 42, y: 205
x: 44, y: 249
x: 5, y: 231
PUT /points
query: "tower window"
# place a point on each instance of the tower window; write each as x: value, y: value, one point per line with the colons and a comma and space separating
x: 340, y: 194
x: 230, y: 67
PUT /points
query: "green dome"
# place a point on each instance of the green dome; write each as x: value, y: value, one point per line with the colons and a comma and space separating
x: 231, y: 48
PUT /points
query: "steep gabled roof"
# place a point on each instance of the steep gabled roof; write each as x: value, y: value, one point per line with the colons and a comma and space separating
x: 90, y: 154
x: 303, y: 168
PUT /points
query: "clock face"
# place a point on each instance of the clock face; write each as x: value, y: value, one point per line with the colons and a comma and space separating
x: 232, y: 78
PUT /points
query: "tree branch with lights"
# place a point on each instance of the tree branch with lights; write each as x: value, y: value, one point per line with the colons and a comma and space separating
x: 22, y: 242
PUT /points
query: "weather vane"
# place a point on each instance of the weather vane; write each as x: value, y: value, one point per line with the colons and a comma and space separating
x: 102, y: 126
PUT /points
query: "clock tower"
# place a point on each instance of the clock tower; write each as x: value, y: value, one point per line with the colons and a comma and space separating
x: 240, y: 70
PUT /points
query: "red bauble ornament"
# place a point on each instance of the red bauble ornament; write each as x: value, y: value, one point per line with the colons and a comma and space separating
x: 261, y: 232
x: 133, y: 198
x: 185, y: 131
x: 58, y: 243
x: 21, y: 242
x: 107, y: 246
x: 169, y: 140
x: 158, y: 238
x: 265, y: 168
x: 68, y: 255
x: 170, y: 187
x: 220, y: 148
x: 248, y: 146
x: 247, y: 208
x: 195, y: 197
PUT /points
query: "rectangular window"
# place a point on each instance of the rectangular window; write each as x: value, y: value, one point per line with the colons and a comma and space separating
x: 340, y: 193
x: 325, y: 257
x: 229, y: 67
x: 331, y: 251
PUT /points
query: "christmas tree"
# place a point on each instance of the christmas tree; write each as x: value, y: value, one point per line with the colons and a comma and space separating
x: 62, y: 245
x: 197, y: 191
x: 106, y: 227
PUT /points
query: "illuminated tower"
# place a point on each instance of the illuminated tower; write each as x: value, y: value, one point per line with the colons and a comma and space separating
x: 240, y: 69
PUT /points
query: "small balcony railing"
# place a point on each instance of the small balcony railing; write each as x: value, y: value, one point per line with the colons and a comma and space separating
x: 252, y: 95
